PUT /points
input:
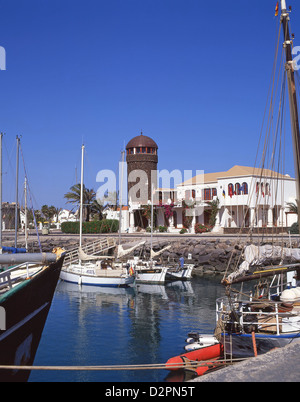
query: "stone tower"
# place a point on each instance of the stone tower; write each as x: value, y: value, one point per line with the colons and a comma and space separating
x: 141, y: 156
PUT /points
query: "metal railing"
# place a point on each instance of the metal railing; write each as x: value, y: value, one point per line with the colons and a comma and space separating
x: 95, y: 247
x: 6, y: 280
x: 254, y: 315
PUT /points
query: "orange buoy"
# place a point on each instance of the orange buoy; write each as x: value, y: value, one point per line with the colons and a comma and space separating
x: 185, y: 360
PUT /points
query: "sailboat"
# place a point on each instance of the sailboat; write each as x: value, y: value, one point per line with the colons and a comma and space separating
x: 27, y: 285
x: 253, y: 322
x: 148, y: 270
x: 95, y: 270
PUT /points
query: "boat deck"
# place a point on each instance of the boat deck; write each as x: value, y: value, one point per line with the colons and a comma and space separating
x: 12, y: 276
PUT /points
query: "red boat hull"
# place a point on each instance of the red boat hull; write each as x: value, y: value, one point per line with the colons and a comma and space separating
x: 184, y: 360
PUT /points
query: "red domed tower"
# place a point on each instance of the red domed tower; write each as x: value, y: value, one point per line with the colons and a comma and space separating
x: 141, y: 154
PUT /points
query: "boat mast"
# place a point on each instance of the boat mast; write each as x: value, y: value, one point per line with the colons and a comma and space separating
x: 17, y: 193
x: 121, y: 195
x: 151, y: 243
x: 292, y: 98
x: 1, y: 136
x: 25, y: 223
x: 81, y: 197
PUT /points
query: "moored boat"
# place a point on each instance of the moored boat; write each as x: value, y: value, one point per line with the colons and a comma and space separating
x: 26, y: 292
x: 147, y: 271
x: 95, y: 275
x: 180, y: 273
x: 190, y: 359
x: 94, y: 270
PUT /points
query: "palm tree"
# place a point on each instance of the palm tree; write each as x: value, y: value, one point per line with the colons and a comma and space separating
x: 73, y: 196
x: 293, y: 207
x: 56, y: 212
x: 97, y: 210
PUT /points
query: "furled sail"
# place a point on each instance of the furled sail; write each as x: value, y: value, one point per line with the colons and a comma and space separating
x: 85, y: 257
x: 121, y: 252
x: 155, y: 254
x: 258, y: 255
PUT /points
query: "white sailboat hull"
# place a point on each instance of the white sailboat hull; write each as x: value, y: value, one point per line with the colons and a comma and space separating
x: 184, y: 273
x: 91, y: 276
x: 150, y: 275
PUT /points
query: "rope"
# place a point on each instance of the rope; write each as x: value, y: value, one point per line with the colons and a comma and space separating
x: 194, y: 364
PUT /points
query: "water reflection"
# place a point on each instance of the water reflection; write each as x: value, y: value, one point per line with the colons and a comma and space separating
x: 144, y: 324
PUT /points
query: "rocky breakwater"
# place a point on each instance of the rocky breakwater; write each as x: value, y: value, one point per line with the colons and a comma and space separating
x: 208, y: 256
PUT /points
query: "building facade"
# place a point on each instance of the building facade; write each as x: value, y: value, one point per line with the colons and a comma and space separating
x: 242, y: 197
x: 245, y: 197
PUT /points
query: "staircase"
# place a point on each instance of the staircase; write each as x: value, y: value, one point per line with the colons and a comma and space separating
x: 94, y: 248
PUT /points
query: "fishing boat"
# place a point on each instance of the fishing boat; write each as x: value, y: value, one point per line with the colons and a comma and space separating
x: 91, y: 269
x: 266, y: 315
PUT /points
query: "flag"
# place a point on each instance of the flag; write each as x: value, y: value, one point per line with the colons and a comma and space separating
x: 276, y: 9
x: 223, y: 193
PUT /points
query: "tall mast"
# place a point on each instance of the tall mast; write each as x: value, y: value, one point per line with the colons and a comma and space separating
x: 121, y: 195
x: 292, y: 98
x: 151, y: 242
x: 25, y: 223
x: 81, y: 197
x: 17, y: 193
x: 1, y: 135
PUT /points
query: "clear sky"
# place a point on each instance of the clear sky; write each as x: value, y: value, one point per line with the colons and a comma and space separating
x: 192, y: 74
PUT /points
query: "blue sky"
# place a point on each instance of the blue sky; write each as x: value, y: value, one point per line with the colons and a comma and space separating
x: 192, y: 74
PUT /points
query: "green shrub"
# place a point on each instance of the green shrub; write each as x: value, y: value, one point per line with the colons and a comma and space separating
x: 294, y: 229
x: 162, y: 229
x: 104, y: 226
x: 183, y: 230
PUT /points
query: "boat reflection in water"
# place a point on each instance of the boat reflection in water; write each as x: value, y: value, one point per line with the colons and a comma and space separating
x: 145, y: 324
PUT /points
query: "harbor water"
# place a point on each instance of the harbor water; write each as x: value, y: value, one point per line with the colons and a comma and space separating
x: 145, y: 324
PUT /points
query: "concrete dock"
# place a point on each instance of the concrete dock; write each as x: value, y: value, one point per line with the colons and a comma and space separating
x: 278, y: 365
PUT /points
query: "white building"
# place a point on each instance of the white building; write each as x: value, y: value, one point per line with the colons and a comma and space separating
x: 65, y: 216
x: 247, y: 197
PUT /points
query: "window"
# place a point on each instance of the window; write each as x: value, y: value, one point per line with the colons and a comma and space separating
x: 237, y: 189
x: 230, y: 190
x: 244, y: 188
x: 214, y: 192
x: 207, y: 194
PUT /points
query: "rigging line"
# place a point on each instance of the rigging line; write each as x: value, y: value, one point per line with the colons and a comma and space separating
x: 273, y: 88
x: 30, y: 197
x: 270, y: 91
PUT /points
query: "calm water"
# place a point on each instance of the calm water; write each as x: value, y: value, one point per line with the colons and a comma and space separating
x: 104, y: 326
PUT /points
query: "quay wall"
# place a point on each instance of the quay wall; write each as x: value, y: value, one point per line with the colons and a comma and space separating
x: 209, y: 254
x: 278, y: 365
